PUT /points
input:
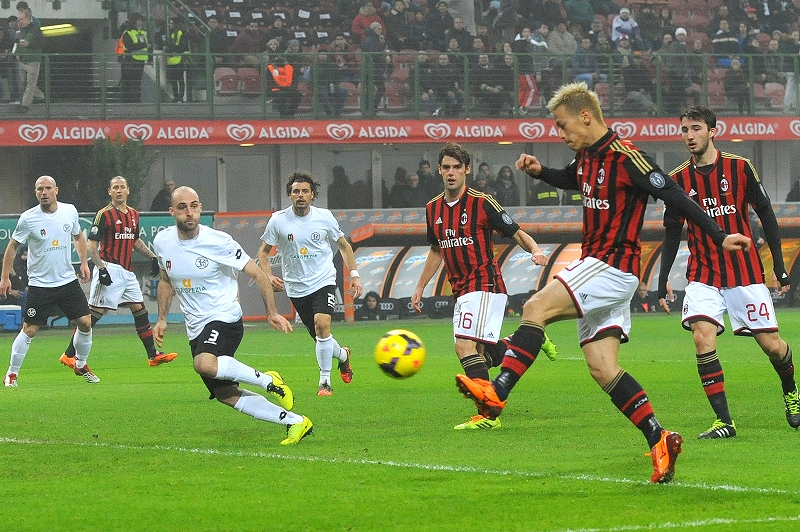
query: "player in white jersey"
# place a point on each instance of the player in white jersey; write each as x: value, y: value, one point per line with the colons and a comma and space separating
x: 52, y: 285
x: 200, y: 264
x: 305, y: 237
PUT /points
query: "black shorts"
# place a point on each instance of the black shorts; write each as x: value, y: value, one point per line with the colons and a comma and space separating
x: 323, y: 301
x: 68, y: 300
x: 219, y: 339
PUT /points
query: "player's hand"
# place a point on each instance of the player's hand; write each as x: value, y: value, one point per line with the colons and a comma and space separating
x: 155, y: 269
x: 781, y: 283
x: 539, y: 258
x: 158, y: 332
x: 355, y: 287
x: 415, y: 300
x: 665, y: 299
x: 737, y: 242
x: 276, y: 282
x: 5, y: 286
x: 105, y: 277
x: 528, y: 164
x: 279, y: 323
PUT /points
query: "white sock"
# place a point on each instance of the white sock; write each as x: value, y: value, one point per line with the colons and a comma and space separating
x: 228, y: 368
x: 338, y: 353
x: 83, y: 344
x: 18, y: 351
x: 257, y: 406
x: 324, y: 352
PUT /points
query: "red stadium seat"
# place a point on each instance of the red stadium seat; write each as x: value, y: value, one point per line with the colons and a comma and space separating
x: 226, y: 81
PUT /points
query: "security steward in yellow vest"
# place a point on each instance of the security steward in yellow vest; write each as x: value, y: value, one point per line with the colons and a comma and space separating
x: 176, y: 46
x: 136, y: 52
x: 541, y: 193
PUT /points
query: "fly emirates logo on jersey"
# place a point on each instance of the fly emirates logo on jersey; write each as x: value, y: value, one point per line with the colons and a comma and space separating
x: 588, y: 201
x: 451, y: 240
x: 714, y: 209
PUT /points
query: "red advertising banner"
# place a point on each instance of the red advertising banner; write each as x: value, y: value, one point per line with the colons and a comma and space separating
x: 220, y: 132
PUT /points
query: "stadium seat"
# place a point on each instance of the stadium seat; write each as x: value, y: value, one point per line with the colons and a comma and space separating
x: 395, y: 96
x: 353, y: 102
x: 775, y: 92
x: 250, y: 81
x: 226, y: 81
x: 716, y: 95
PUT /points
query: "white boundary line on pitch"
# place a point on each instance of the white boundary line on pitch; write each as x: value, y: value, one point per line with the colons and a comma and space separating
x: 687, y: 524
x: 405, y: 465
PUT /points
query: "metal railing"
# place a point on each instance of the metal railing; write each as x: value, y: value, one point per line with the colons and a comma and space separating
x: 225, y: 86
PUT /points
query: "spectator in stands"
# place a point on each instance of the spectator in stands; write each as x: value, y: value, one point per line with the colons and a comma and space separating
x: 447, y: 88
x: 29, y: 53
x: 562, y: 46
x: 440, y: 21
x: 397, y: 26
x: 298, y: 59
x: 725, y: 45
x: 370, y: 308
x: 20, y: 7
x: 344, y: 59
x: 794, y: 192
x: 398, y: 194
x: 790, y: 45
x: 553, y: 13
x: 761, y: 15
x: 19, y: 279
x: 666, y: 40
x: 332, y: 96
x: 374, y: 42
x: 643, y: 300
x: 665, y: 22
x: 418, y: 32
x: 698, y: 62
x: 272, y: 51
x: 596, y: 27
x: 679, y: 75
x: 282, y: 86
x: 218, y: 42
x: 421, y: 75
x: 769, y: 67
x: 249, y: 45
x: 175, y: 47
x: 460, y: 34
x: 277, y: 31
x: 481, y: 184
x: 482, y: 33
x: 522, y: 48
x: 431, y: 183
x: 748, y: 43
x: 585, y: 64
x: 163, y: 200
x: 9, y: 66
x: 507, y: 19
x: 542, y: 194
x: 649, y: 28
x: 540, y: 51
x: 340, y: 191
x: 606, y: 52
x: 416, y: 196
x: 624, y: 51
x: 454, y: 51
x: 492, y: 87
x: 136, y: 53
x: 639, y: 87
x: 366, y: 16
x: 786, y: 16
x: 580, y: 12
x: 625, y: 24
x: 506, y: 187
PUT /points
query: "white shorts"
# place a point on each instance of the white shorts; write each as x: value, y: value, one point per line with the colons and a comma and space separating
x: 602, y: 295
x: 124, y: 288
x: 749, y: 308
x: 479, y: 316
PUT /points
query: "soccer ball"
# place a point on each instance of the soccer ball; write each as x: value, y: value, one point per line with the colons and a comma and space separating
x: 400, y: 353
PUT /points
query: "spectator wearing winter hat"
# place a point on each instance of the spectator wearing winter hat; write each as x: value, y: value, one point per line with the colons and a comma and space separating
x: 625, y: 24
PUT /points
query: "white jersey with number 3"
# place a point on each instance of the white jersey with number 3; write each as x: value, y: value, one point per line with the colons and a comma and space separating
x: 306, y: 245
x: 203, y: 272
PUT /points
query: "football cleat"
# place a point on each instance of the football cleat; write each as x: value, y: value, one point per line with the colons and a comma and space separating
x: 162, y: 358
x: 325, y: 390
x: 280, y: 391
x: 483, y: 394
x: 345, y: 371
x: 479, y: 422
x: 792, y: 401
x: 87, y: 374
x: 549, y: 348
x: 10, y: 380
x: 718, y: 429
x: 665, y: 454
x: 67, y: 361
x: 298, y: 431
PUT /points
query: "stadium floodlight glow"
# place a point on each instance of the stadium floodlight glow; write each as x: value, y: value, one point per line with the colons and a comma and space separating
x: 56, y: 30
x: 247, y: 145
x: 505, y: 143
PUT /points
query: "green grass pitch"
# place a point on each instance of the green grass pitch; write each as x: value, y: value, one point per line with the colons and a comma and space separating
x: 145, y: 450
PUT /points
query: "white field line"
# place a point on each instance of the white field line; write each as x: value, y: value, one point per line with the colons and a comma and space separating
x: 405, y: 465
x: 687, y: 524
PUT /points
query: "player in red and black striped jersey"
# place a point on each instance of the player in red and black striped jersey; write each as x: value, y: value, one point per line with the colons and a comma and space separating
x: 460, y: 224
x: 615, y: 180
x: 725, y: 186
x: 113, y: 238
